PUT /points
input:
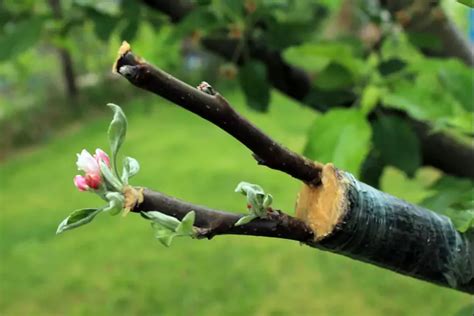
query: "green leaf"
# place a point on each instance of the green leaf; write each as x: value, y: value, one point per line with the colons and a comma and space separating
x: 395, y: 182
x: 254, y: 82
x: 78, y: 218
x: 111, y: 182
x: 397, y: 143
x: 164, y: 220
x: 391, y: 66
x: 334, y: 76
x: 117, y: 132
x: 163, y: 234
x: 469, y: 3
x: 116, y: 202
x: 451, y: 193
x: 370, y: 98
x: 130, y: 168
x: 104, y: 24
x: 22, y: 36
x: 315, y: 57
x: 186, y: 225
x: 246, y: 219
x: 341, y: 136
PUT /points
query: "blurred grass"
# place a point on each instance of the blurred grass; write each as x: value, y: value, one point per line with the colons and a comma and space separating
x: 115, y: 267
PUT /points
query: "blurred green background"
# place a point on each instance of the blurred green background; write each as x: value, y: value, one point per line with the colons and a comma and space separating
x: 363, y: 65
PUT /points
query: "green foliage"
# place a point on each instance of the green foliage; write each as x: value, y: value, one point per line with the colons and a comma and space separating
x: 254, y: 82
x: 78, y: 218
x: 340, y: 136
x: 20, y: 37
x: 167, y: 227
x: 397, y: 143
x: 258, y: 202
x: 469, y: 3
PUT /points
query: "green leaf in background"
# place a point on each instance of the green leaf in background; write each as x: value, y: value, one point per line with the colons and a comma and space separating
x: 391, y: 66
x: 78, y: 218
x: 469, y: 3
x: 370, y: 97
x: 117, y: 131
x: 413, y: 190
x: 130, y: 168
x: 458, y: 80
x: 315, y: 57
x: 340, y: 136
x: 451, y: 192
x: 254, y: 82
x: 397, y: 143
x: 334, y: 76
x: 104, y: 24
x: 19, y: 37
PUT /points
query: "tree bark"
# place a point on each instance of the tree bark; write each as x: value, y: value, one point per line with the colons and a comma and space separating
x: 344, y: 215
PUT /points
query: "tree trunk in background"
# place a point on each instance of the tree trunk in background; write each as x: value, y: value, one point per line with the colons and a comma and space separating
x: 66, y: 60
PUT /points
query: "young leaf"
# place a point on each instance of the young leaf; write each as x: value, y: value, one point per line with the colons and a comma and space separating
x: 163, y: 234
x: 116, y: 202
x: 469, y: 3
x: 110, y: 180
x: 341, y: 136
x: 130, y: 168
x: 78, y: 218
x: 117, y: 132
x: 246, y: 219
x: 164, y: 220
x: 254, y: 82
x: 186, y: 225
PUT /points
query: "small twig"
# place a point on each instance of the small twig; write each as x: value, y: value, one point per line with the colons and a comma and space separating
x: 210, y: 222
x: 216, y: 109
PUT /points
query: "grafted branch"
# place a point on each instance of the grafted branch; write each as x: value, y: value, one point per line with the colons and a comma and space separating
x: 214, y: 222
x: 335, y: 212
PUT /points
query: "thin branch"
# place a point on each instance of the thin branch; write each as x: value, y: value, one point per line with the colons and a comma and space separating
x: 216, y: 110
x: 214, y: 222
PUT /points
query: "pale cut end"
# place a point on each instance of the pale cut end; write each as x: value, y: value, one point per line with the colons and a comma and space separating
x: 323, y: 207
x: 124, y: 48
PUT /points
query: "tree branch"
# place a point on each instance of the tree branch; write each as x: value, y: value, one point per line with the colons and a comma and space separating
x: 345, y: 215
x: 216, y: 109
x: 214, y: 222
x: 427, y: 17
x: 295, y: 83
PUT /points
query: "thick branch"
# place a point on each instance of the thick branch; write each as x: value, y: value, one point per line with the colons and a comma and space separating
x: 216, y: 110
x: 213, y: 222
x: 427, y: 17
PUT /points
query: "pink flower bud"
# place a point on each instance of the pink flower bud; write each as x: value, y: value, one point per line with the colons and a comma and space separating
x: 93, y: 180
x: 87, y: 163
x: 81, y: 183
x: 101, y: 155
